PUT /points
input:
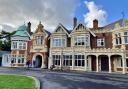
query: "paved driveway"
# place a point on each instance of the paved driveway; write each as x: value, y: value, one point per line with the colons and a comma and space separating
x: 63, y: 80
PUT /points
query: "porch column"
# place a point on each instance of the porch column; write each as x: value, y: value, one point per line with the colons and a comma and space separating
x: 85, y: 62
x: 73, y: 58
x: 124, y: 64
x: 97, y: 64
x: 61, y: 61
x: 110, y: 70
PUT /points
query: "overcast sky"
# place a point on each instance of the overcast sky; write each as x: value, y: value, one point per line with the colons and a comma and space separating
x: 14, y: 13
x: 49, y: 12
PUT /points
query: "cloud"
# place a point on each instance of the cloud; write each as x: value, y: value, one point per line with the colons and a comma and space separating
x: 94, y: 12
x: 7, y: 27
x: 49, y: 12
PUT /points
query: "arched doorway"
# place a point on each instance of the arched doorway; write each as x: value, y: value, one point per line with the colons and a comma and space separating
x: 117, y: 63
x: 104, y: 62
x: 38, y: 61
x: 91, y: 62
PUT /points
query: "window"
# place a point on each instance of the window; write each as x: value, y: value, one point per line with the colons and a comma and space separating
x: 67, y: 60
x: 100, y: 42
x: 39, y: 40
x: 56, y: 59
x: 22, y: 45
x: 58, y: 42
x: 126, y: 37
x: 118, y: 38
x: 79, y: 60
x: 19, y: 59
x: 14, y: 45
x: 13, y: 60
x: 81, y: 40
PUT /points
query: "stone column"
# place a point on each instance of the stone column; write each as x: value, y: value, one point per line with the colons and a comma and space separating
x: 110, y: 67
x: 60, y: 61
x: 85, y: 62
x: 97, y: 64
x: 124, y: 64
x: 73, y: 58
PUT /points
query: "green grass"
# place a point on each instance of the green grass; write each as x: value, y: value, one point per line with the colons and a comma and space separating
x: 16, y: 82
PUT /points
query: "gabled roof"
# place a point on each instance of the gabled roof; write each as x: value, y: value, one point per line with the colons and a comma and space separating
x: 61, y: 26
x: 88, y: 29
x: 40, y: 28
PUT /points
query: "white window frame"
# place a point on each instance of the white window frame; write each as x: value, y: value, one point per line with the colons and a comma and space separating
x: 76, y: 60
x: 58, y: 42
x: 56, y: 60
x: 99, y: 42
x: 81, y: 39
x: 118, y: 40
x: 39, y: 40
x: 126, y: 37
x: 67, y: 60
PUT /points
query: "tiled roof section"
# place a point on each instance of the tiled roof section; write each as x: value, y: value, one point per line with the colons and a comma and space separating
x: 64, y: 27
x: 48, y: 32
x: 21, y: 31
x: 69, y: 31
x: 121, y: 23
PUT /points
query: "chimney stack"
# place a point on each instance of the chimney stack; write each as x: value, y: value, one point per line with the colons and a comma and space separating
x: 95, y: 24
x: 29, y: 27
x: 74, y: 22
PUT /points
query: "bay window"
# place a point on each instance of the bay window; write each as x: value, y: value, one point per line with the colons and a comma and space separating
x: 67, y: 60
x: 58, y: 42
x: 81, y: 41
x: 14, y: 45
x: 56, y: 59
x: 79, y: 60
x: 39, y: 40
x: 20, y: 45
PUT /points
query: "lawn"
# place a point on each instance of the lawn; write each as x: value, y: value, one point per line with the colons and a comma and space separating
x: 16, y: 82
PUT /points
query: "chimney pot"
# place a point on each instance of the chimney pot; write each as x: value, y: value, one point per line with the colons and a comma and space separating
x: 95, y: 24
x: 29, y: 27
x: 74, y: 22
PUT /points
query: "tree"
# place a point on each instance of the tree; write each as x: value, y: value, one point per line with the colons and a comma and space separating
x: 6, y: 44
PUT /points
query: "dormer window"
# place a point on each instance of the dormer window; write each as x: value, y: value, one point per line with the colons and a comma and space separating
x: 39, y: 40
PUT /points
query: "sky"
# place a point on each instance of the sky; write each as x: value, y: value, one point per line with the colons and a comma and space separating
x: 14, y: 13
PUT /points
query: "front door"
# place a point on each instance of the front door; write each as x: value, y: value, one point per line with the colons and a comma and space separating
x: 104, y: 64
x: 93, y: 63
x: 38, y: 61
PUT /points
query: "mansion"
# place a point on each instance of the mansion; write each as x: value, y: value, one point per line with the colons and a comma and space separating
x: 85, y: 49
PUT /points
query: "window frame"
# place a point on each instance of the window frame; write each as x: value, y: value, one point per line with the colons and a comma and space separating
x: 101, y: 41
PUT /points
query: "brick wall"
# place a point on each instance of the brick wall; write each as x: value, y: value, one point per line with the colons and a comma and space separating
x: 106, y: 36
